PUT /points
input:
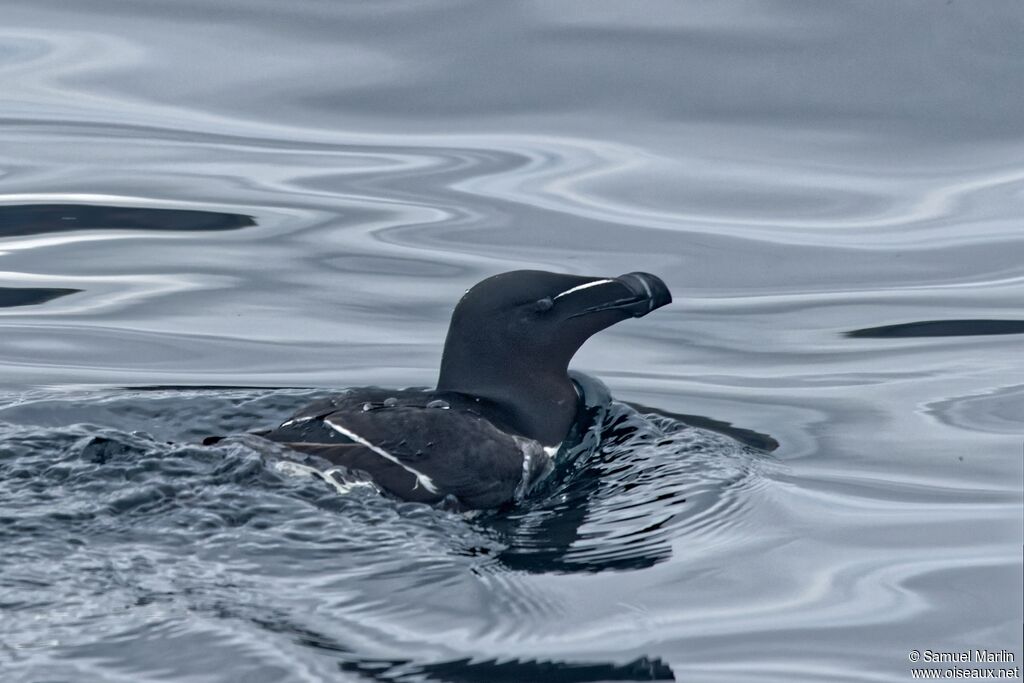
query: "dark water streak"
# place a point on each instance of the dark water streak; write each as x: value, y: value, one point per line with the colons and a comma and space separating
x: 940, y: 328
x: 36, y: 219
x: 31, y: 296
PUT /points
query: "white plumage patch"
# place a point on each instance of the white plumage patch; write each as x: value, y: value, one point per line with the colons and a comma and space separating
x: 533, y: 471
x: 421, y: 479
x: 294, y: 468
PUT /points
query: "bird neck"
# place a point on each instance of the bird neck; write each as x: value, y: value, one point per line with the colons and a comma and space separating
x: 539, y: 403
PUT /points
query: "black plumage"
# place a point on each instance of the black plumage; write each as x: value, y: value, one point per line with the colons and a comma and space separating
x: 504, y: 405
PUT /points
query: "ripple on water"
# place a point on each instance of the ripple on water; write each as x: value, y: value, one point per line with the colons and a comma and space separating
x: 1000, y: 411
x: 653, y: 481
x: 129, y: 534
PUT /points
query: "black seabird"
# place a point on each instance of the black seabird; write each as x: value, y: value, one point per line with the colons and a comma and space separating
x: 504, y: 402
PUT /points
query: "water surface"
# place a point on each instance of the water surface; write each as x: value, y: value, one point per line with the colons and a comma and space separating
x: 211, y: 212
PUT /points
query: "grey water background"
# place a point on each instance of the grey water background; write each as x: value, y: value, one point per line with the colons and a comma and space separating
x: 833, y: 191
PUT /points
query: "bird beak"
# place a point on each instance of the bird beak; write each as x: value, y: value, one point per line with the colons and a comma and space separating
x: 650, y: 291
x: 644, y: 293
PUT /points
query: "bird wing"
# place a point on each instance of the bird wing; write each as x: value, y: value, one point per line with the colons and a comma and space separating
x: 417, y: 452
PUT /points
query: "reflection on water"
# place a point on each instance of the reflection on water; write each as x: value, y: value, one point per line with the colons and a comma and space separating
x: 941, y: 328
x: 34, y: 219
x: 748, y: 437
x: 467, y: 670
x: 251, y: 195
x: 30, y: 296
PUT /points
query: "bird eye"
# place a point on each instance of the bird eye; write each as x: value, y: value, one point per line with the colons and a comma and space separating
x: 544, y: 304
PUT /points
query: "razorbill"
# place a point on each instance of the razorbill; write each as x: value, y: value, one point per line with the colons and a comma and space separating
x: 504, y: 404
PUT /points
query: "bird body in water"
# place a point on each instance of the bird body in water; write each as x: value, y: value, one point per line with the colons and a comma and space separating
x: 504, y: 404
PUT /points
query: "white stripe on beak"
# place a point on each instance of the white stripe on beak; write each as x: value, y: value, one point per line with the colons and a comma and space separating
x: 586, y: 285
